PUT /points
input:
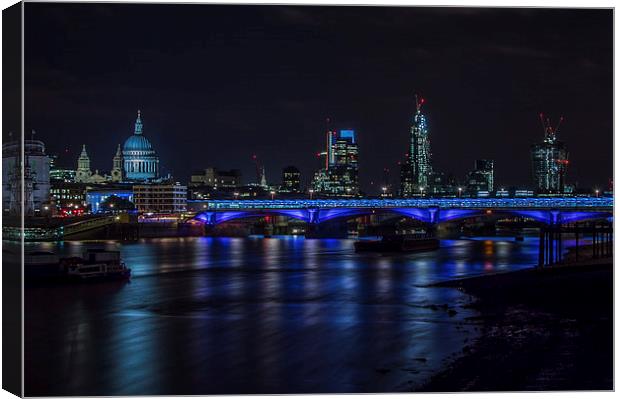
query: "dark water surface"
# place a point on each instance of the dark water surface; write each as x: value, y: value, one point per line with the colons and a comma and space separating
x: 254, y: 315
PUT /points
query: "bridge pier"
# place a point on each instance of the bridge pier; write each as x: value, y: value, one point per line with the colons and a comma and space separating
x: 550, y: 250
x: 550, y: 245
x: 268, y: 227
x: 208, y: 230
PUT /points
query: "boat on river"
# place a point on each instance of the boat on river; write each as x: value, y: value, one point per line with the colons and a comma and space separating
x: 96, y: 265
x: 92, y: 265
x: 398, y: 243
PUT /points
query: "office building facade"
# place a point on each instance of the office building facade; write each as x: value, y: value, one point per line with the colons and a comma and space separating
x: 340, y: 178
x: 291, y: 180
x: 160, y: 198
x: 481, y: 179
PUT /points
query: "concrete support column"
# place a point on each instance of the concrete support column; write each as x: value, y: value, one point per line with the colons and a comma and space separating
x: 433, y: 215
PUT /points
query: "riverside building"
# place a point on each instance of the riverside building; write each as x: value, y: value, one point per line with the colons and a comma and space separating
x: 160, y: 198
x: 33, y: 188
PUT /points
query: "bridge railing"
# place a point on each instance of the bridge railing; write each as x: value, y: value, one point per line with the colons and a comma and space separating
x: 86, y: 225
x: 462, y: 203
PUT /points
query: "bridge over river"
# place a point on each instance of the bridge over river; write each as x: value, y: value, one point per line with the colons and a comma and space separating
x: 548, y: 210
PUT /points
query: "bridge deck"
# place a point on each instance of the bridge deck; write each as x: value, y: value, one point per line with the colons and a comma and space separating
x: 574, y: 203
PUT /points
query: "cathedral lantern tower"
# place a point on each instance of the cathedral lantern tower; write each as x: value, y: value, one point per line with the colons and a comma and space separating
x: 83, y: 172
x: 140, y: 162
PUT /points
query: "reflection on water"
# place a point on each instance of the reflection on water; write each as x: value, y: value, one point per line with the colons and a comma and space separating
x: 254, y: 315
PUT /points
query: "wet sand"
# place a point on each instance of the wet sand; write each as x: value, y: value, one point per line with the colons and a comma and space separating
x: 541, y: 329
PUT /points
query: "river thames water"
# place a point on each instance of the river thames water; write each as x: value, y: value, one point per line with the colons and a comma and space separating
x: 257, y: 315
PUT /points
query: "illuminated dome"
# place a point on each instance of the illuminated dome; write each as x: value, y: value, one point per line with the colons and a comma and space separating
x: 137, y: 143
x: 139, y: 159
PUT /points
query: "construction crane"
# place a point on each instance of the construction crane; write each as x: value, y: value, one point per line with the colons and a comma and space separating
x: 418, y: 102
x: 547, y: 127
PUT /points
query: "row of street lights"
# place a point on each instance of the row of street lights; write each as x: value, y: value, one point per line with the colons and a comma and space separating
x: 384, y: 189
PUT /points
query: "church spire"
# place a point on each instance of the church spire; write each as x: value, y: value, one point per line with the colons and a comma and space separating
x: 138, y: 128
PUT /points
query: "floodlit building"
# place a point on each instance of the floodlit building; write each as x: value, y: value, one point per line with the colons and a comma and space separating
x: 160, y: 198
x: 83, y: 172
x: 117, y: 174
x: 36, y: 178
x: 141, y: 163
x: 135, y: 162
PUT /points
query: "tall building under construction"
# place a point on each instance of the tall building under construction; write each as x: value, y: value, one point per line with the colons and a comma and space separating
x: 417, y: 167
x: 549, y: 160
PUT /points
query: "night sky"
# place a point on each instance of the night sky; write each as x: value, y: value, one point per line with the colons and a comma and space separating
x: 217, y: 84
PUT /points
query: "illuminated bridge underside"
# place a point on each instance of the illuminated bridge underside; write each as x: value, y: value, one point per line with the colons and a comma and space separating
x: 546, y: 210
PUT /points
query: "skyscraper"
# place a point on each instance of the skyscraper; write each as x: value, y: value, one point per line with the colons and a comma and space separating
x: 417, y: 166
x: 340, y: 176
x: 343, y: 172
x: 549, y: 160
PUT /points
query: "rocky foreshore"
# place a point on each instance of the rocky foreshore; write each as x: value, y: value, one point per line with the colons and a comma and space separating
x: 541, y: 329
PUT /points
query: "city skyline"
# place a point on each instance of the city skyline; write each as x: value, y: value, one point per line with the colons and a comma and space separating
x: 398, y: 187
x: 215, y: 124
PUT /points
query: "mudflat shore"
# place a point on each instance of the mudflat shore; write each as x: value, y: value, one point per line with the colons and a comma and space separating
x: 541, y: 329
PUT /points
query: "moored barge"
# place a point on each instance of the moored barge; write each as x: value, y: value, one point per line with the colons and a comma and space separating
x: 398, y: 243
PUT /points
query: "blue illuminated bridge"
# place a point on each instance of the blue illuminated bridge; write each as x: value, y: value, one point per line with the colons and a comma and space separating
x: 548, y: 210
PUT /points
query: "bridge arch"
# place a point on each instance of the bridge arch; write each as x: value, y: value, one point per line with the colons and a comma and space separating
x: 426, y: 215
x: 426, y: 210
x: 555, y: 216
x: 214, y: 218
